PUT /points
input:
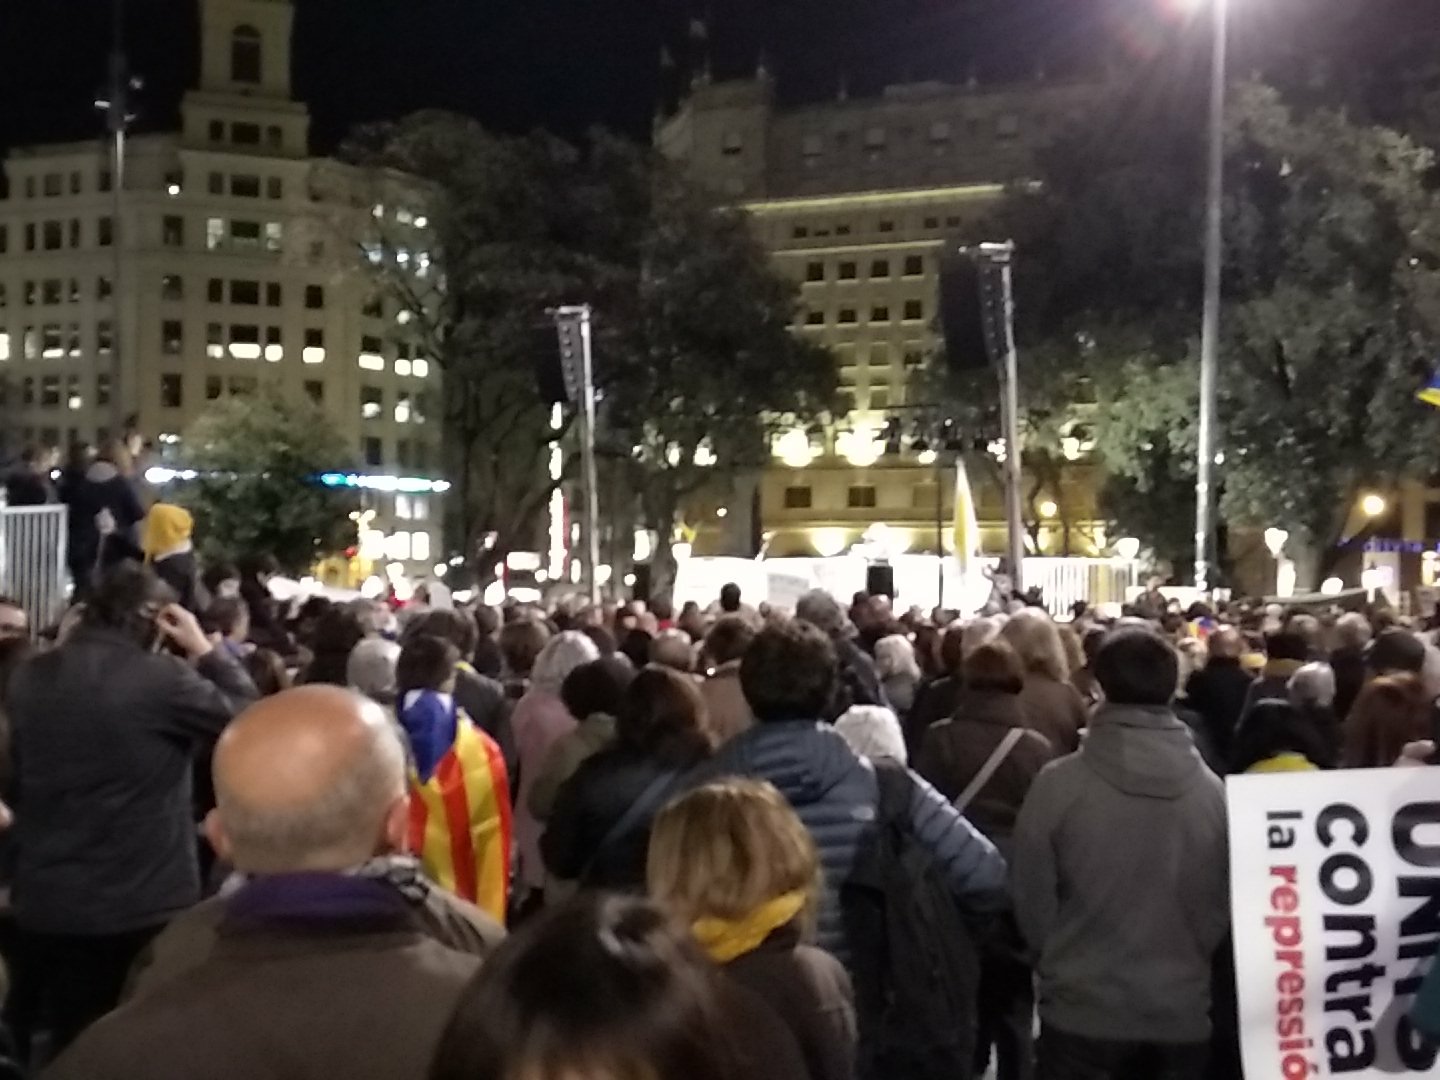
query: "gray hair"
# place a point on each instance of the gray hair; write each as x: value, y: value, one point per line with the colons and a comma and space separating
x: 980, y: 630
x: 894, y: 655
x: 872, y: 731
x: 673, y: 649
x: 1036, y: 639
x: 1352, y: 630
x: 334, y: 826
x: 821, y: 610
x: 1313, y: 684
x: 561, y: 655
x: 371, y: 669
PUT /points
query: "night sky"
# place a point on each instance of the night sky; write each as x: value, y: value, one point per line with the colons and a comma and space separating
x: 570, y: 64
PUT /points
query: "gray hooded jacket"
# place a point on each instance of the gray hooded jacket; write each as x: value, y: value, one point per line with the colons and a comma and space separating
x: 1121, y: 880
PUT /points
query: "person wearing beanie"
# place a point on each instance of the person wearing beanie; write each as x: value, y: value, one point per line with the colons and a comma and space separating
x: 165, y: 540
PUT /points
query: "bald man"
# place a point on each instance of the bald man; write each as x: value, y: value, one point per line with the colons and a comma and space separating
x: 327, y: 955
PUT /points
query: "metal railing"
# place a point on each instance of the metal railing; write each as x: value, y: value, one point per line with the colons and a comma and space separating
x: 32, y: 560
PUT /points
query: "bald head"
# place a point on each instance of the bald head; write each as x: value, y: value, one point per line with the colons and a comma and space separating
x: 309, y: 779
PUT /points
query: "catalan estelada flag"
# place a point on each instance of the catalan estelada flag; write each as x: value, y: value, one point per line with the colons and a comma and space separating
x: 1431, y: 394
x: 459, y: 802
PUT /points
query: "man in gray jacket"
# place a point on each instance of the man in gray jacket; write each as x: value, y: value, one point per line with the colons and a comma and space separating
x: 1121, y: 884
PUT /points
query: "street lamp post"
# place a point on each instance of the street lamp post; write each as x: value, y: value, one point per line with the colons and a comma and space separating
x: 1210, y: 324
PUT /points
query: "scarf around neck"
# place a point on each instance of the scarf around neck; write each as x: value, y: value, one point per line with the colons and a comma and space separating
x: 726, y: 939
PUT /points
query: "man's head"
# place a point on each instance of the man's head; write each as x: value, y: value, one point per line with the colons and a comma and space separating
x: 1227, y: 643
x: 370, y: 670
x: 426, y: 663
x: 673, y: 649
x: 789, y: 672
x: 1352, y: 631
x: 730, y: 598
x: 311, y: 779
x: 1286, y: 645
x: 822, y: 611
x: 14, y: 623
x: 129, y: 599
x: 1136, y: 666
x: 728, y: 639
x: 521, y: 642
x: 1313, y: 685
x: 229, y: 616
x: 454, y: 626
x: 1395, y: 651
x: 662, y: 608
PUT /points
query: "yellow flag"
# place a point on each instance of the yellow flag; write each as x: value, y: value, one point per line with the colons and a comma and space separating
x: 967, y: 526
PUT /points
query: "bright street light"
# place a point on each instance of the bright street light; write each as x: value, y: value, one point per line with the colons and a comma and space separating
x: 1372, y: 505
x: 1275, y: 541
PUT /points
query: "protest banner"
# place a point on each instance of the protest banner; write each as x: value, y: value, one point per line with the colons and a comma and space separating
x: 1335, y: 897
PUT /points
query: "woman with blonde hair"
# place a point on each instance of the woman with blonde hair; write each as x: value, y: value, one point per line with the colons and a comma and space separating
x: 1052, y: 706
x: 734, y: 863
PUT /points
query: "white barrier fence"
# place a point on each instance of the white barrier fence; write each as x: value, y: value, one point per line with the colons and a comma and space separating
x: 32, y: 560
x: 917, y: 580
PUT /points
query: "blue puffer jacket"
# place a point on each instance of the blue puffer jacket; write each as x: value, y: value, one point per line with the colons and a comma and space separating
x: 836, y: 796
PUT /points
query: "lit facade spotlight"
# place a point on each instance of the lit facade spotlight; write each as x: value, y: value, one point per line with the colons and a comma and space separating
x: 1373, y: 505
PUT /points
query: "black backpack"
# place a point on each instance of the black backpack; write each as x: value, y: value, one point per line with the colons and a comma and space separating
x: 913, y: 960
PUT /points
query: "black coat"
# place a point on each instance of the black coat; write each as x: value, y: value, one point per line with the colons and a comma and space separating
x: 589, y: 805
x: 104, y: 736
x: 1349, y: 666
x: 26, y: 487
x: 103, y: 488
x: 182, y: 574
x: 1217, y: 692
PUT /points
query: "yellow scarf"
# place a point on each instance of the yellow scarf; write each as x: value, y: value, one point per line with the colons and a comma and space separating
x: 725, y: 939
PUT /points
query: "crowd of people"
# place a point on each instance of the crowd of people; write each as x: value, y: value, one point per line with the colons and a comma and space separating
x: 253, y: 839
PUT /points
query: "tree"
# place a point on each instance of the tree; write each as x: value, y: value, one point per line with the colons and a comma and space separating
x: 1330, y: 324
x: 257, y: 490
x: 707, y: 368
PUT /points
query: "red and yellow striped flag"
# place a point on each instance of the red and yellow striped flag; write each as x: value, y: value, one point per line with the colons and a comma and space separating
x: 460, y: 820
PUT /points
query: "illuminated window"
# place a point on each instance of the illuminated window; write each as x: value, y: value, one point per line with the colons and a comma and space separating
x: 214, y: 341
x: 52, y: 342
x: 372, y: 402
x: 403, y: 409
x: 420, y: 368
x: 420, y: 546
x: 4, y: 345
x: 314, y: 350
x: 214, y: 232
x: 274, y: 235
x: 244, y: 341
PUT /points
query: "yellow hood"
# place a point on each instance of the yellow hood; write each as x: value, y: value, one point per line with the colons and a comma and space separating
x: 166, y: 528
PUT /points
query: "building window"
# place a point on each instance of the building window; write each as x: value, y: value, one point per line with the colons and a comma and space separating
x: 171, y: 391
x: 315, y: 390
x: 72, y: 341
x: 245, y: 292
x: 886, y: 227
x: 245, y: 187
x: 215, y: 290
x: 172, y: 337
x: 50, y: 391
x: 274, y: 189
x: 848, y: 271
x: 914, y: 265
x: 272, y: 294
x: 815, y: 271
x: 245, y: 134
x: 880, y: 268
x: 217, y: 183
x: 880, y: 355
x: 274, y: 235
x: 799, y: 232
x: 214, y: 341
x: 274, y: 136
x: 880, y: 397
x: 860, y: 497
x: 372, y: 308
x: 74, y: 231
x: 314, y: 350
x: 102, y: 389
x: 172, y: 231
x: 373, y: 450
x: 914, y: 309
x: 53, y: 183
x: 217, y: 134
x: 30, y: 236
x: 274, y: 345
x: 242, y: 385
x: 103, y: 288
x: 314, y: 297
x: 54, y: 236
x: 213, y: 387
x: 847, y: 316
x: 372, y: 402
x: 244, y: 341
x: 214, y: 233
x: 879, y: 314
x: 245, y: 233
x: 797, y: 498
x: 49, y: 290
x: 245, y: 55
x: 814, y: 318
x: 172, y: 287
x: 27, y: 391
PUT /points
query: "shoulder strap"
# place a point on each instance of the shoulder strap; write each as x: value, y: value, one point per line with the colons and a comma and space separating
x: 644, y: 806
x: 993, y: 762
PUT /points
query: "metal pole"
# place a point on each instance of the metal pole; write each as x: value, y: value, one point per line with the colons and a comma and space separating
x: 587, y: 452
x: 1010, y: 401
x: 939, y: 531
x: 117, y: 116
x: 1210, y: 325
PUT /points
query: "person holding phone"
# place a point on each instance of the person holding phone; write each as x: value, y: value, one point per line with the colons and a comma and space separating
x: 106, y: 730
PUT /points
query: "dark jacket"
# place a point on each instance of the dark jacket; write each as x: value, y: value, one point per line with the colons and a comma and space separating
x: 836, y: 796
x: 365, y: 996
x: 105, y: 734
x: 589, y: 804
x: 266, y: 627
x: 1120, y: 881
x: 182, y: 574
x: 103, y: 488
x: 1217, y: 692
x: 1273, y: 684
x: 954, y: 751
x: 809, y: 990
x: 483, y: 700
x: 26, y: 487
x: 1054, y: 709
x: 859, y: 681
x: 1349, y: 667
x: 934, y: 702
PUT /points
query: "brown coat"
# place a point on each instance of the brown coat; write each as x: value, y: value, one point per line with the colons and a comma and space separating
x: 725, y: 703
x: 1054, y: 709
x: 954, y: 750
x: 363, y: 1004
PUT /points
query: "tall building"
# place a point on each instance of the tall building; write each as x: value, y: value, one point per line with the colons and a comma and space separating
x: 235, y: 263
x: 856, y: 200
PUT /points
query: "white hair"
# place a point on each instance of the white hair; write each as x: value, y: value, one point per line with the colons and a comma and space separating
x: 872, y: 731
x: 980, y: 630
x: 561, y: 655
x: 894, y: 655
x: 1312, y: 684
x: 370, y: 670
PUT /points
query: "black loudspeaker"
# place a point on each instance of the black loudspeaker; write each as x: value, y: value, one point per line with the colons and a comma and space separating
x: 880, y: 580
x: 962, y: 320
